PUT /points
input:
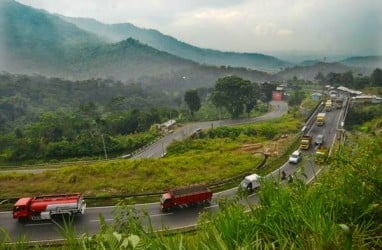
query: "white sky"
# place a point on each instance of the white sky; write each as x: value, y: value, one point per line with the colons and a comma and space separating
x: 330, y: 26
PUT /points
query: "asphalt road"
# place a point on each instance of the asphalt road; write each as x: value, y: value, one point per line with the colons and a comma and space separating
x: 90, y: 221
x: 158, y: 148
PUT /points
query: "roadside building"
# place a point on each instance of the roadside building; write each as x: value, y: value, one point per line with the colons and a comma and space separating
x: 316, y: 96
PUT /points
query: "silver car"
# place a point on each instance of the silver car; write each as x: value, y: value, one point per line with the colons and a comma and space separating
x: 319, y: 139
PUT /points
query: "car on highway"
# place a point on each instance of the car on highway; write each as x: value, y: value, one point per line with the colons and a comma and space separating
x: 295, y: 157
x: 319, y: 140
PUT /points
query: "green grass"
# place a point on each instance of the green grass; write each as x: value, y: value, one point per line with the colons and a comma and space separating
x: 213, y: 159
x: 341, y: 209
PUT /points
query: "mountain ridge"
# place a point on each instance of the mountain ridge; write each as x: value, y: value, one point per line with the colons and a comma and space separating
x: 156, y: 39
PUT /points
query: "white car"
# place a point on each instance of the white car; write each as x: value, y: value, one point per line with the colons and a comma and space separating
x: 295, y: 157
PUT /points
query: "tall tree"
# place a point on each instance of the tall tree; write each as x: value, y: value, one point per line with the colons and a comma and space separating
x: 191, y: 97
x: 347, y: 79
x: 376, y: 77
x: 233, y: 93
x: 266, y: 91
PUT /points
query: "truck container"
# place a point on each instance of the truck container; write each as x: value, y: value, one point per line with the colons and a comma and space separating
x: 185, y: 196
x: 328, y: 105
x: 250, y: 182
x: 320, y: 120
x: 48, y: 206
x: 306, y: 140
x: 321, y: 154
x: 339, y: 102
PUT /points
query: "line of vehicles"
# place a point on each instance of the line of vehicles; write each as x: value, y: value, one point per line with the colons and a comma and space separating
x: 50, y: 206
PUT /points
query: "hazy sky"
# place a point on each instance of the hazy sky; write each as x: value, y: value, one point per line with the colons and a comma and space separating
x: 332, y: 26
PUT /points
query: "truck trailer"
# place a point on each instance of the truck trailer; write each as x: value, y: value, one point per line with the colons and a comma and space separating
x: 321, y: 154
x: 328, y: 105
x: 185, y: 196
x: 306, y: 140
x: 339, y: 103
x: 320, y: 119
x: 48, y: 206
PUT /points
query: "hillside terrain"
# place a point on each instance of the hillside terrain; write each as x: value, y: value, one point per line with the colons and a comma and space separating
x: 155, y: 39
x: 38, y: 42
x: 310, y: 70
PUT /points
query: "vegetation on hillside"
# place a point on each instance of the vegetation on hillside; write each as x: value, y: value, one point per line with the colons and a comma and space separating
x: 218, y: 154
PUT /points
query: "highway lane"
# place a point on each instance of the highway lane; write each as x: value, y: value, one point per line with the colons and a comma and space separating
x: 176, y: 219
x: 158, y: 148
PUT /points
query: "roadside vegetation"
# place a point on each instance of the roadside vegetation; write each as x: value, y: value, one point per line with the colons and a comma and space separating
x: 341, y: 209
x: 219, y: 153
x: 51, y: 119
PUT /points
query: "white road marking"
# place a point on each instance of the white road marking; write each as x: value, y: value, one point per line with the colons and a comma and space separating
x: 156, y: 215
x: 39, y: 224
x: 210, y: 206
x: 100, y: 220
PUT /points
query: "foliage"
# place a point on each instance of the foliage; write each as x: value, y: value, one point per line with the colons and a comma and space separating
x: 376, y: 77
x: 192, y: 99
x: 296, y: 97
x: 359, y: 114
x: 235, y: 95
x: 340, y: 210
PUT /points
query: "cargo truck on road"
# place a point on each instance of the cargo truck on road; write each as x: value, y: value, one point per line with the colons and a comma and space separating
x: 250, y: 182
x: 320, y: 120
x: 328, y: 105
x: 47, y: 207
x: 306, y: 141
x: 321, y: 154
x: 185, y: 196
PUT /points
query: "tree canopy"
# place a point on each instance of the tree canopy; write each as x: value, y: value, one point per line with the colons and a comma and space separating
x: 235, y: 94
x: 191, y: 97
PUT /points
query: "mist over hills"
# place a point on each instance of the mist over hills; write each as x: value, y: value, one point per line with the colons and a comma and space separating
x: 310, y: 69
x: 42, y: 43
x: 155, y: 39
x: 36, y: 42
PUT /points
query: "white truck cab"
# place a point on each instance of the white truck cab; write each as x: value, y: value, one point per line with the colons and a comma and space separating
x: 250, y: 182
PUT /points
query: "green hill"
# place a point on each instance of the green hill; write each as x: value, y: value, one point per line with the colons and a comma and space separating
x: 364, y: 61
x: 34, y: 41
x: 153, y: 38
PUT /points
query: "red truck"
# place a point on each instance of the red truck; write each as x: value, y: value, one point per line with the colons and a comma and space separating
x: 185, y: 196
x: 48, y: 206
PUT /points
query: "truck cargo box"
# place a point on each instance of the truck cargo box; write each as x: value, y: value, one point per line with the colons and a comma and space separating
x: 185, y: 196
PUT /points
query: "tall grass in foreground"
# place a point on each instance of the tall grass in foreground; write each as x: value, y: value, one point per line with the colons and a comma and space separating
x: 342, y: 209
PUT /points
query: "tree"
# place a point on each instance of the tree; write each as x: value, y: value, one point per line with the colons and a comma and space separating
x: 347, y: 79
x: 296, y: 98
x: 192, y: 99
x: 266, y: 90
x: 234, y: 93
x: 376, y: 77
x: 320, y: 78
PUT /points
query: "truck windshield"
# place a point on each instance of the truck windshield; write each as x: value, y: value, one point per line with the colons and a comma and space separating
x: 18, y: 208
x: 163, y: 200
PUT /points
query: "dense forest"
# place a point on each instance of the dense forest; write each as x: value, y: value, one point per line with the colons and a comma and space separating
x: 50, y: 118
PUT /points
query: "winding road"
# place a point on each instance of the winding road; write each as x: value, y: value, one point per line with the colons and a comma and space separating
x: 181, y: 218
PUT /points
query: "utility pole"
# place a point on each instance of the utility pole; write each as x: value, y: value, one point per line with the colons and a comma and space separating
x: 104, y: 146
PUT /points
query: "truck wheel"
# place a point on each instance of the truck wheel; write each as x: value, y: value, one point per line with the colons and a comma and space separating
x: 22, y: 219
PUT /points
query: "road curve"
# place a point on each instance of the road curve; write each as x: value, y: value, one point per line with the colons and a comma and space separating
x: 158, y: 148
x: 90, y: 222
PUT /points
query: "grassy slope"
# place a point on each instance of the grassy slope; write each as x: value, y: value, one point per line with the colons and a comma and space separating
x: 207, y: 157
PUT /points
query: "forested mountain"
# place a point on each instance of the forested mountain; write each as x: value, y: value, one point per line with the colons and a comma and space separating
x: 24, y: 98
x: 155, y: 39
x: 34, y: 41
x: 310, y: 71
x: 370, y: 62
